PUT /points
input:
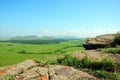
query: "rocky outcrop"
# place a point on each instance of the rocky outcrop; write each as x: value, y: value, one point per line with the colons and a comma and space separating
x: 91, y: 54
x: 30, y: 70
x: 99, y: 42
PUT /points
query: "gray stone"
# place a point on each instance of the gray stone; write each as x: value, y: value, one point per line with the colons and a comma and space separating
x: 24, y: 71
x: 99, y: 41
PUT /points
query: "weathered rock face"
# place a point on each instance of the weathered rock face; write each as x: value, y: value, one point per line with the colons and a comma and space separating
x: 99, y: 41
x: 30, y: 70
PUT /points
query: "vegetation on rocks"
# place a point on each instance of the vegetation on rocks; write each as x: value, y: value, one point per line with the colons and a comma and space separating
x: 105, y: 74
x: 117, y: 39
x: 102, y: 41
x: 33, y: 71
x: 102, y: 69
x: 111, y: 50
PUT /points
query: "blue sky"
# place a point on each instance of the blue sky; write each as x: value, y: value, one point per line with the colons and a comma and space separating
x: 81, y: 18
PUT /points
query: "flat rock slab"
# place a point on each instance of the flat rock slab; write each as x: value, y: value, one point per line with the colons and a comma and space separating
x: 99, y: 41
x: 30, y: 70
x: 92, y: 54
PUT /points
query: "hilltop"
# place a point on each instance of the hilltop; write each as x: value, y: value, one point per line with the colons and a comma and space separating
x: 31, y: 38
x: 35, y: 40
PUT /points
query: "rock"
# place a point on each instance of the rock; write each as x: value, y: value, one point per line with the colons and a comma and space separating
x: 92, y: 54
x: 99, y: 42
x: 59, y: 72
x: 31, y: 71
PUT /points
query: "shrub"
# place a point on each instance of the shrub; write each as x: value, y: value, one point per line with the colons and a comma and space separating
x: 11, y: 78
x: 40, y: 63
x: 105, y: 68
x: 67, y: 60
x: 10, y: 50
x: 22, y: 52
x: 108, y: 65
x: 101, y: 74
x: 95, y: 65
x: 111, y: 50
x: 86, y: 62
x: 53, y: 62
x: 107, y: 75
x: 117, y: 39
x: 117, y: 69
x: 77, y: 63
x: 105, y: 64
x: 9, y: 45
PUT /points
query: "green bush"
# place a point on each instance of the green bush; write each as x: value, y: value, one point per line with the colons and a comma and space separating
x: 86, y: 62
x: 67, y: 60
x: 104, y: 69
x: 105, y: 64
x: 111, y: 50
x: 70, y: 61
x: 22, y: 52
x: 101, y: 74
x: 77, y: 63
x: 53, y: 62
x: 107, y: 75
x: 108, y: 65
x: 96, y: 65
x: 117, y: 69
x: 11, y: 78
x: 117, y: 39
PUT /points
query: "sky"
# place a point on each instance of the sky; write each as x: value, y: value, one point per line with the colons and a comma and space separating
x: 80, y: 18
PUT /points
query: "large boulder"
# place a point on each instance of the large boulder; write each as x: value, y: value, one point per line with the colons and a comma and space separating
x: 31, y: 70
x: 99, y: 41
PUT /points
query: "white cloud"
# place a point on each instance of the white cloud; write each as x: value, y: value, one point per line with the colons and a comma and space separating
x: 78, y: 33
x: 45, y: 31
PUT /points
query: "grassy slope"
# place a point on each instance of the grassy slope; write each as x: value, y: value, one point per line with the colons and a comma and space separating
x: 9, y: 51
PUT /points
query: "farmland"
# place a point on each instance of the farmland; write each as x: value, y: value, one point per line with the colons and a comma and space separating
x: 12, y: 53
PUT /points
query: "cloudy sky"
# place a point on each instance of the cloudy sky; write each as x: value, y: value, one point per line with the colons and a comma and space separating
x: 81, y: 18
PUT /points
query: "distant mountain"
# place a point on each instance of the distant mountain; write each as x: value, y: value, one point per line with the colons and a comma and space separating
x: 35, y: 40
x: 46, y: 38
x: 31, y: 38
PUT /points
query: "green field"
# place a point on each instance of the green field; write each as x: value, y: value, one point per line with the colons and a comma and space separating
x: 11, y: 53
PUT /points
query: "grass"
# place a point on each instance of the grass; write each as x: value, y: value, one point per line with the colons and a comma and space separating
x: 105, y: 74
x: 11, y: 78
x: 111, y: 50
x: 11, y: 53
x: 117, y: 39
x: 105, y: 64
x: 102, y: 69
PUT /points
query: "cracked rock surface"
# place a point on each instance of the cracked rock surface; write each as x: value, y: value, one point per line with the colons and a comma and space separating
x: 30, y: 70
